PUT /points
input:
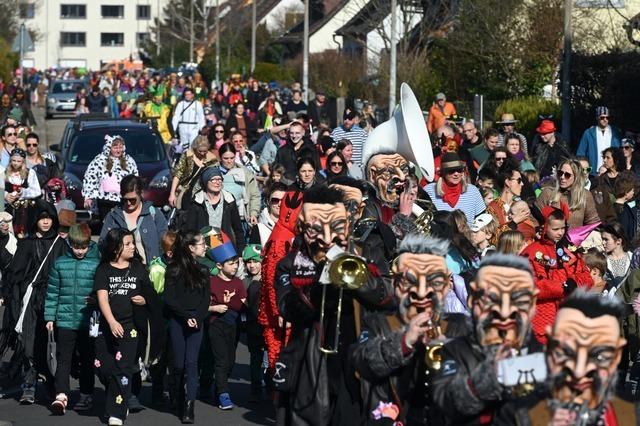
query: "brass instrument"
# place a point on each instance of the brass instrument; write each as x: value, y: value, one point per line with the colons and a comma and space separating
x: 433, y: 354
x: 347, y: 271
x: 424, y: 211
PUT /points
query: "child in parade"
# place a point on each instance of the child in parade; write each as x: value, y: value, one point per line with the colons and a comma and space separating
x: 68, y: 306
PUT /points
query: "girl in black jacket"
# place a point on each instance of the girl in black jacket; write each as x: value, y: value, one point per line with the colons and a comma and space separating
x: 187, y: 296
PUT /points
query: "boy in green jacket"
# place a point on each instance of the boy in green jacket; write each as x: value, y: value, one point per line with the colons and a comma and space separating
x: 69, y: 306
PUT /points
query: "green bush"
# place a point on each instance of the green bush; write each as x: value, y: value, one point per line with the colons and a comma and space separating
x: 266, y: 71
x: 526, y: 110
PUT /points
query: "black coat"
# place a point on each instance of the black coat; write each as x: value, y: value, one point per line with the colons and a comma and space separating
x: 288, y: 157
x: 196, y: 217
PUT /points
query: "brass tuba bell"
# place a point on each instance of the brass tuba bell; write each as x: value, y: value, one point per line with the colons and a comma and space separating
x: 347, y: 271
x: 433, y: 357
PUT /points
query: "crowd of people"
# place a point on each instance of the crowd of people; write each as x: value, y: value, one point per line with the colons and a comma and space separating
x: 509, y: 297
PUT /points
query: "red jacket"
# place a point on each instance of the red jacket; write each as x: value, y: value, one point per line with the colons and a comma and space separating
x: 550, y: 272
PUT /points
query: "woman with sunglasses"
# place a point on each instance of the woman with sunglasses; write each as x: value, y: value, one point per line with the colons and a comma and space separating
x: 217, y: 136
x: 186, y: 172
x: 570, y: 191
x: 269, y: 216
x: 336, y: 166
x: 147, y: 224
x: 45, y: 168
x: 452, y: 192
x: 509, y: 183
x: 633, y: 157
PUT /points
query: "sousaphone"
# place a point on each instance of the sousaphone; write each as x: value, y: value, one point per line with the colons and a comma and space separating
x: 404, y: 133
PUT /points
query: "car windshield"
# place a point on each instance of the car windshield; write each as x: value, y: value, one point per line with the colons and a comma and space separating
x: 141, y: 144
x: 66, y: 87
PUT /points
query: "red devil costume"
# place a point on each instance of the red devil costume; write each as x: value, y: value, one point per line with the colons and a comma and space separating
x: 276, y: 248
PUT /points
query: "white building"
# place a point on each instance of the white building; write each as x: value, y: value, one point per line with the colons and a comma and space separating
x: 87, y: 33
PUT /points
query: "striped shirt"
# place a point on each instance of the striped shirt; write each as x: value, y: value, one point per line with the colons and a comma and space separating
x: 356, y: 135
x: 470, y: 201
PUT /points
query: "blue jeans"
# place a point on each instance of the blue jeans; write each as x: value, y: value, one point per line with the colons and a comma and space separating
x: 186, y: 347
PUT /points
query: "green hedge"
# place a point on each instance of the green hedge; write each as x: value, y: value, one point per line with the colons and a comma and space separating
x: 526, y: 111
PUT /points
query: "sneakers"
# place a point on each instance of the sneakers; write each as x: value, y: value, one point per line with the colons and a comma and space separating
x: 224, y: 401
x: 28, y: 396
x: 114, y: 421
x: 84, y: 404
x: 59, y: 405
x: 134, y: 404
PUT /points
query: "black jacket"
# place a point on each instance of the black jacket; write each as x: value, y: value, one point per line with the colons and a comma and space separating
x: 390, y: 374
x: 321, y: 388
x: 197, y: 217
x: 465, y: 362
x: 288, y: 157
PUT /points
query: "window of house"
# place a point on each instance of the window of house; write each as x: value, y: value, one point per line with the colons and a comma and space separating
x: 73, y: 39
x: 27, y: 10
x: 144, y: 11
x: 142, y: 39
x: 112, y: 39
x: 73, y: 11
x: 600, y: 4
x: 112, y: 11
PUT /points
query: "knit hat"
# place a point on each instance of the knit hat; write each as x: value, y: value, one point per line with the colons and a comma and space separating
x: 601, y: 110
x: 209, y: 173
x: 252, y: 252
x: 80, y: 234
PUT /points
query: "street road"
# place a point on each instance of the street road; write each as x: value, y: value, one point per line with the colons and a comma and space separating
x: 245, y: 413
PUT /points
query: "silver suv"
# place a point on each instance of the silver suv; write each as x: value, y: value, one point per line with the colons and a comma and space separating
x: 61, y: 97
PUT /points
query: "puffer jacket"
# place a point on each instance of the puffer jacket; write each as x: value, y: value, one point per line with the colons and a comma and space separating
x: 70, y: 282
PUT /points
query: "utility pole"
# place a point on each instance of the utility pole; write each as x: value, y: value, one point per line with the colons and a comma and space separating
x: 191, y: 33
x: 392, y: 60
x: 218, y: 44
x: 305, y: 54
x: 22, y: 30
x: 566, y: 71
x: 253, y: 35
x: 158, y: 29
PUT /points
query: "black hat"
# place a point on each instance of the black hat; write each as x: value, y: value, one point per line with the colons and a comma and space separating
x: 450, y: 161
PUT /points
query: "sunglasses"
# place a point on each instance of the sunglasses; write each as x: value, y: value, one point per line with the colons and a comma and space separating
x: 519, y: 180
x: 501, y: 158
x: 604, y: 117
x: 336, y: 163
x: 627, y: 147
x: 564, y: 174
x: 130, y: 200
x: 587, y: 169
x: 32, y: 145
x: 10, y: 134
x: 275, y: 200
x: 458, y: 170
x: 219, y: 131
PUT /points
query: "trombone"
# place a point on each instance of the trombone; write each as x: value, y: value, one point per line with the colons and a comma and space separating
x: 348, y: 271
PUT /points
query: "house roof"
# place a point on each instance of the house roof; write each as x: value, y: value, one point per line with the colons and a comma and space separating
x: 294, y: 35
x: 367, y: 19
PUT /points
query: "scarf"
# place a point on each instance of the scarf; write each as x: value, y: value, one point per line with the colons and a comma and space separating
x: 451, y: 193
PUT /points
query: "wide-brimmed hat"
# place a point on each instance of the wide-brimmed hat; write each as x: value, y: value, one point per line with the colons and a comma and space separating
x: 450, y: 161
x: 507, y: 119
x: 546, y: 126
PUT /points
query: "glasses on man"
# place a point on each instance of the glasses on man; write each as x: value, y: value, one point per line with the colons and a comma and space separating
x: 275, y: 200
x: 11, y: 134
x: 32, y: 145
x: 566, y: 175
x: 604, y: 117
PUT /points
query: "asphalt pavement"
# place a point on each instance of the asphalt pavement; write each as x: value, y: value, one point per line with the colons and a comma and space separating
x: 206, y: 412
